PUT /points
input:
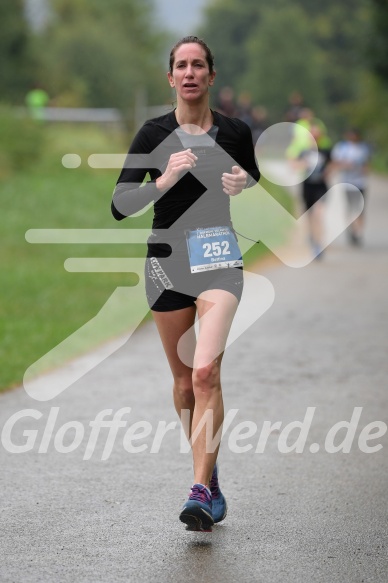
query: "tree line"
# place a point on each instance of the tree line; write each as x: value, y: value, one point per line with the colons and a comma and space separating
x: 90, y: 53
x: 98, y: 54
x: 334, y: 54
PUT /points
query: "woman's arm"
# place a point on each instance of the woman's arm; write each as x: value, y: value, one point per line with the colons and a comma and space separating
x: 129, y: 196
x: 144, y: 156
x: 247, y: 174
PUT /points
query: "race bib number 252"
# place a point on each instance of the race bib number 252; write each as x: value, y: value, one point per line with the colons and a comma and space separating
x: 212, y: 248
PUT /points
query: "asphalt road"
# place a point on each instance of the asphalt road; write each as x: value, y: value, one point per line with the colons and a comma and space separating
x: 320, y: 515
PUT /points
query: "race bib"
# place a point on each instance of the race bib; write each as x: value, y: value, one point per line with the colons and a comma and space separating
x: 212, y: 248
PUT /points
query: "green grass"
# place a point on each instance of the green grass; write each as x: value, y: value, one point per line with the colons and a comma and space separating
x: 379, y: 162
x: 42, y: 303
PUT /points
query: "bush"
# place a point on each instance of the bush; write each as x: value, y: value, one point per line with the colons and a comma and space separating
x: 370, y: 114
x: 21, y: 141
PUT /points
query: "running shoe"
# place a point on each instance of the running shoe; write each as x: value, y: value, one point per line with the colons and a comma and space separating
x: 197, y: 511
x: 218, y: 499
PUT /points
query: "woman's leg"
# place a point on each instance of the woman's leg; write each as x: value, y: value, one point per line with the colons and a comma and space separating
x: 357, y: 226
x: 171, y: 327
x: 316, y: 217
x: 198, y: 390
x: 216, y: 309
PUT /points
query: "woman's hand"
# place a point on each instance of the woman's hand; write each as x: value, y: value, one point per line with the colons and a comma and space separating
x: 234, y: 183
x: 177, y: 165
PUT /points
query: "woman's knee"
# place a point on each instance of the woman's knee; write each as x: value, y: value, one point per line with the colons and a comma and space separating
x: 207, y: 377
x: 183, y: 386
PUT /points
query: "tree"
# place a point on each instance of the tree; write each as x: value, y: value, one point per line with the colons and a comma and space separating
x: 340, y: 32
x: 335, y: 54
x: 377, y: 50
x: 369, y: 111
x: 282, y: 59
x: 102, y: 53
x: 16, y: 64
x: 228, y: 27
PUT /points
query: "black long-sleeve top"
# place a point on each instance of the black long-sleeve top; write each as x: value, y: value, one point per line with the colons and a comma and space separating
x: 197, y: 199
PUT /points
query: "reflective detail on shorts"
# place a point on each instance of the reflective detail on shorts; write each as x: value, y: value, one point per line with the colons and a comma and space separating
x: 160, y: 273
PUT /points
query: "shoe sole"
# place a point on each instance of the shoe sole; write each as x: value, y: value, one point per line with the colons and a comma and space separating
x: 196, y: 519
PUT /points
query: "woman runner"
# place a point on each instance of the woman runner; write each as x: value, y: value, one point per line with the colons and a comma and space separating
x: 196, y: 158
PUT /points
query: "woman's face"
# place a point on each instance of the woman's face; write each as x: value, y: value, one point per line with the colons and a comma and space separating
x: 190, y: 74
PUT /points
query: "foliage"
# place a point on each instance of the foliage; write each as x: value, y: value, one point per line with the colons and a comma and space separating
x: 101, y: 53
x: 228, y: 28
x: 21, y: 141
x: 275, y: 48
x: 370, y: 114
x: 377, y: 50
x: 16, y: 63
x: 334, y: 54
x: 283, y: 59
x: 340, y: 31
